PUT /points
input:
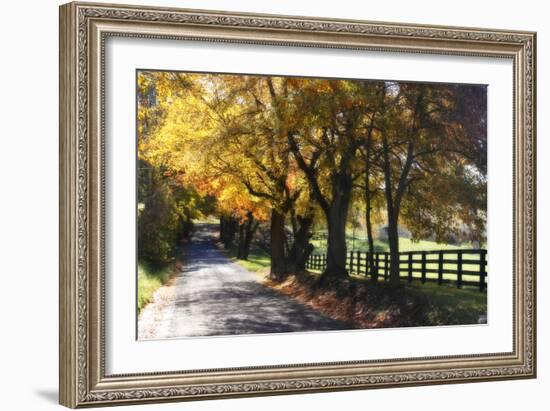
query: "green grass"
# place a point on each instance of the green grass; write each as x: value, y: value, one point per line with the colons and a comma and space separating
x: 451, y: 305
x: 258, y: 259
x: 208, y: 220
x: 150, y: 279
x: 380, y: 245
x: 446, y: 304
x: 406, y: 244
x: 417, y: 276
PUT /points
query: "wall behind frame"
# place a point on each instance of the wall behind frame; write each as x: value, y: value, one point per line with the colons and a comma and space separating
x: 29, y: 195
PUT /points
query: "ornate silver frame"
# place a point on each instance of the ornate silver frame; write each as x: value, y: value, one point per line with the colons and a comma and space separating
x: 83, y: 30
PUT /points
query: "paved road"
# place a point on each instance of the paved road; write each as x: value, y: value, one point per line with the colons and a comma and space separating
x: 214, y: 296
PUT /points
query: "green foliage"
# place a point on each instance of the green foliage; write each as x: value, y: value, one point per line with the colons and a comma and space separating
x: 150, y: 278
x: 165, y: 213
x: 159, y: 220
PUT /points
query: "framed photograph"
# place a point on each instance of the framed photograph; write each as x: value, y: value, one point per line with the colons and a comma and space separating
x: 259, y: 204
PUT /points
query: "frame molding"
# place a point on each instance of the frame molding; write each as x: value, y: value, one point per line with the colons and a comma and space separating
x: 83, y: 30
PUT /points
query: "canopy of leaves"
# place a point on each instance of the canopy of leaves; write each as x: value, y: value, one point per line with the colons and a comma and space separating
x: 260, y: 143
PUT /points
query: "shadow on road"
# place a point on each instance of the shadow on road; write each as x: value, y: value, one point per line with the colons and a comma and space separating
x: 215, y: 296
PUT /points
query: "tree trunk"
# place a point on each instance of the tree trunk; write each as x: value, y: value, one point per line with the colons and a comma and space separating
x: 301, y: 249
x: 241, y: 242
x: 246, y: 233
x: 277, y: 233
x: 393, y: 216
x: 336, y: 249
x: 370, y: 239
x: 336, y: 220
x: 229, y: 228
x: 251, y: 227
x: 335, y: 210
x: 186, y: 228
x: 368, y: 198
x: 222, y: 227
x: 393, y: 240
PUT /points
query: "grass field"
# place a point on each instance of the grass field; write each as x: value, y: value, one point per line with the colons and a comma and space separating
x: 258, y: 259
x: 380, y: 245
x: 417, y: 275
x: 406, y: 244
x: 149, y: 280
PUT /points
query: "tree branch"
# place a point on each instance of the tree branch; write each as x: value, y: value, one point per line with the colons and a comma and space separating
x: 309, y: 172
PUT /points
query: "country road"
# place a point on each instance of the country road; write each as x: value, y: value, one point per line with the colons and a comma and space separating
x: 214, y: 296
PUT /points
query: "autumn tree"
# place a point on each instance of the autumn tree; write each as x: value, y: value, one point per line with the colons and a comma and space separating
x: 289, y: 150
x: 227, y: 135
x: 425, y: 150
x: 325, y: 139
x: 166, y: 207
x: 250, y: 145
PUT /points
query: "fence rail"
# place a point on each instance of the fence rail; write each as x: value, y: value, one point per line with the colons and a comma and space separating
x: 459, y: 267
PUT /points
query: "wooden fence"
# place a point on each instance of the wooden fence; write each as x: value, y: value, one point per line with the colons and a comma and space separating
x: 459, y: 267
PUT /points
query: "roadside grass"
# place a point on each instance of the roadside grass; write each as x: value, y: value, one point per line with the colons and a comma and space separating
x: 449, y: 304
x: 426, y: 304
x: 209, y: 220
x: 258, y: 260
x: 150, y: 279
x: 368, y: 305
x: 364, y: 304
x: 452, y: 305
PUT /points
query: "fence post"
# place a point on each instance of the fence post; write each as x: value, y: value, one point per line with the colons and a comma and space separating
x: 459, y: 270
x: 377, y: 263
x: 386, y: 271
x: 323, y: 262
x: 359, y: 263
x: 351, y: 262
x: 440, y: 269
x: 423, y: 267
x: 482, y: 269
x: 410, y: 267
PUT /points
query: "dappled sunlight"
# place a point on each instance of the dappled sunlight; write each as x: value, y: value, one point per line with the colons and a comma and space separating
x: 379, y: 186
x: 364, y: 304
x: 214, y: 296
